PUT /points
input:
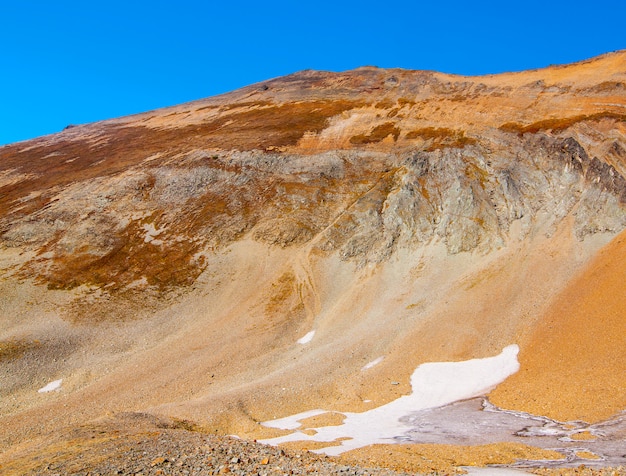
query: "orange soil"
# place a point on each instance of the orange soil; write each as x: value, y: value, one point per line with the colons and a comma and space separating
x: 573, y: 365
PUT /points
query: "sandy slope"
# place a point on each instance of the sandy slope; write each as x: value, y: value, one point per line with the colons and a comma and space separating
x: 573, y: 362
x: 225, y: 363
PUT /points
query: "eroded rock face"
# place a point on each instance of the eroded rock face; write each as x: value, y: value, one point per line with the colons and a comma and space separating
x: 155, y: 219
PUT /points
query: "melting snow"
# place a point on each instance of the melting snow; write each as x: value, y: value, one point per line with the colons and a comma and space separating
x: 51, y: 386
x: 434, y: 385
x: 307, y: 338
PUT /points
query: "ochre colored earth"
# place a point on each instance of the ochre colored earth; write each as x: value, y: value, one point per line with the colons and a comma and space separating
x: 573, y: 363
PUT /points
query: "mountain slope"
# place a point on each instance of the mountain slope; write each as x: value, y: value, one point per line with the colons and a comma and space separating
x: 576, y: 350
x: 170, y: 261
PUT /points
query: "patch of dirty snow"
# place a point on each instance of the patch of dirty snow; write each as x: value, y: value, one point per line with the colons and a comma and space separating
x: 306, y: 338
x: 373, y: 363
x: 434, y: 384
x: 52, y: 386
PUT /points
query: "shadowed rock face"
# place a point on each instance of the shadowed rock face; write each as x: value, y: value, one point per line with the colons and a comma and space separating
x: 345, y: 185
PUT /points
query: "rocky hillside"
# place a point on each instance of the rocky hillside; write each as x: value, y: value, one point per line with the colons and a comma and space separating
x: 168, y: 262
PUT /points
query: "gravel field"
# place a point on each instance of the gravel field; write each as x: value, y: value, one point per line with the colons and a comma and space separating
x: 138, y: 444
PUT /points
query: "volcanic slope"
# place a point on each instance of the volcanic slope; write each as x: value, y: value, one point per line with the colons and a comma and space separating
x: 169, y: 262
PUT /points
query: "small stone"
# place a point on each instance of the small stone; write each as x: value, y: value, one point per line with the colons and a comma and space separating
x: 235, y: 460
x: 395, y: 383
x: 157, y: 461
x: 265, y: 460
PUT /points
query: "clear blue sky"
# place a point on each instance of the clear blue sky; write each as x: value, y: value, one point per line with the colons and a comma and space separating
x: 71, y: 62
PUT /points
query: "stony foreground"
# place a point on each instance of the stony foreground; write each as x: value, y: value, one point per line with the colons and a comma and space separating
x: 140, y: 444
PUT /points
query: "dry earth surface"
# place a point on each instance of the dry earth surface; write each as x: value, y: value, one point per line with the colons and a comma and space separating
x: 164, y: 266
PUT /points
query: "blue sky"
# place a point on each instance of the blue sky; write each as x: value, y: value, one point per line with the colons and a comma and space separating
x: 72, y: 62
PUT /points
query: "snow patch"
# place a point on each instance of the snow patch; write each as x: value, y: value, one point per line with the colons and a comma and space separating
x: 434, y: 384
x: 373, y: 363
x: 292, y: 422
x: 52, y: 386
x: 307, y: 338
x: 475, y: 471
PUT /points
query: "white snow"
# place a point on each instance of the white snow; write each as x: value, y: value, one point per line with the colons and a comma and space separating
x: 56, y: 385
x: 373, y: 363
x: 292, y: 422
x: 434, y: 385
x: 306, y: 338
x: 475, y: 471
